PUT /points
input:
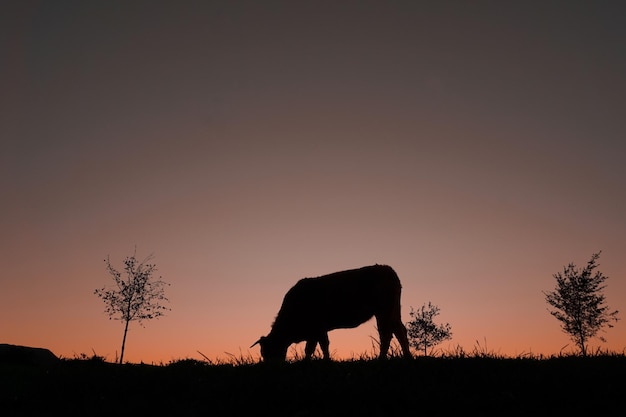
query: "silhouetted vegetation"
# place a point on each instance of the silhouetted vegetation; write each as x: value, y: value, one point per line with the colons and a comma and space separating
x: 469, y: 383
x: 579, y: 302
x: 422, y: 331
x: 137, y: 297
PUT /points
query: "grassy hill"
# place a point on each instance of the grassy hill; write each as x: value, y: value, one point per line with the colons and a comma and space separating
x: 479, y: 385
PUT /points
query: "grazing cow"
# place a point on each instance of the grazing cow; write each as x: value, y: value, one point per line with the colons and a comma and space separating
x: 340, y: 300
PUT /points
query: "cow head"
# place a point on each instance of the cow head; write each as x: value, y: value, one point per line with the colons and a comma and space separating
x: 271, y: 348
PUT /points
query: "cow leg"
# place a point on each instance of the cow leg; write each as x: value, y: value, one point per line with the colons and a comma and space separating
x: 385, y: 332
x: 309, y: 349
x: 324, y: 343
x: 401, y: 335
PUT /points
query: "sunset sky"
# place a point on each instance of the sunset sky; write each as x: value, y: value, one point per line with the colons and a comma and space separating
x: 476, y: 147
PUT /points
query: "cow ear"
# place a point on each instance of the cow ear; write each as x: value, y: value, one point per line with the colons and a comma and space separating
x: 257, y: 342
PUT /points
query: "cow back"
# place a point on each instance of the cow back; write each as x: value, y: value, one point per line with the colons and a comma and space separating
x: 342, y: 299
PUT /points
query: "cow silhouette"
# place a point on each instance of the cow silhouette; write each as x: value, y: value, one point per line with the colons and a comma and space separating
x: 340, y: 300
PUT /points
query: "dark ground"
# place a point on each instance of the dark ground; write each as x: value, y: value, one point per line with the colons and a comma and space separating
x: 423, y: 386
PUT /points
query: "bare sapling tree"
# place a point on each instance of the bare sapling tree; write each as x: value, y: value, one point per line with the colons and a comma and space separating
x: 579, y: 303
x: 136, y: 296
x: 423, y: 332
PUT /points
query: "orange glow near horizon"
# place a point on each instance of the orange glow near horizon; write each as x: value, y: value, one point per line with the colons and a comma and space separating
x: 475, y: 149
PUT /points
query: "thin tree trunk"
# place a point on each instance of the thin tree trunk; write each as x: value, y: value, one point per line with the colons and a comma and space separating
x: 124, y: 341
x: 581, y: 343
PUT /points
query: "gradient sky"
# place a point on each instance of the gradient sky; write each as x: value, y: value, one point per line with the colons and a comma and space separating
x: 476, y: 147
